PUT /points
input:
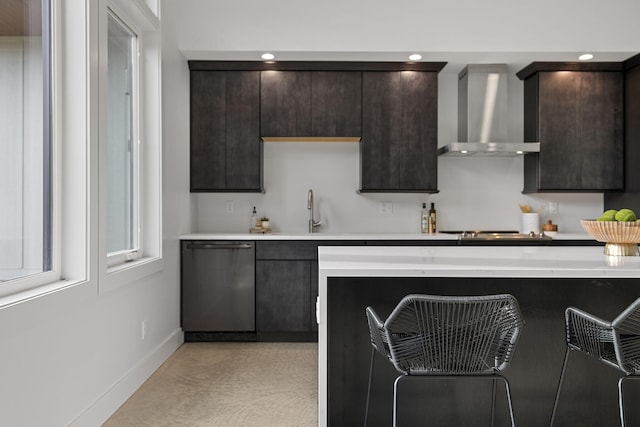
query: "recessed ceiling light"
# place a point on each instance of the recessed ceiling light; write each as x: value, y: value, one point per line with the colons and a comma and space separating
x: 585, y: 57
x: 463, y: 151
x: 415, y: 57
x: 268, y: 56
x: 519, y: 152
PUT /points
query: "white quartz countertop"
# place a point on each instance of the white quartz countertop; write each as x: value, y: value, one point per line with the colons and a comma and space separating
x: 348, y: 236
x: 318, y: 236
x: 474, y: 261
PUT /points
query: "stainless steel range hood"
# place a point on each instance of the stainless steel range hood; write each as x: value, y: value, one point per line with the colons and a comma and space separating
x: 482, y: 115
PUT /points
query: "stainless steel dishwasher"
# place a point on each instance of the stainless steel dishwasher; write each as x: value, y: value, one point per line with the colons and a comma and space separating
x: 218, y: 286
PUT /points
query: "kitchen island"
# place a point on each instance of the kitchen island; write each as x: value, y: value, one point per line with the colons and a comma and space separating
x: 544, y: 279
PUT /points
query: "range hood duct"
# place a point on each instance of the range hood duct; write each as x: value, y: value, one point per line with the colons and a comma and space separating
x: 482, y: 115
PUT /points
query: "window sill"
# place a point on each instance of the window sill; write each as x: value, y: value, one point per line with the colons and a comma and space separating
x: 129, y: 272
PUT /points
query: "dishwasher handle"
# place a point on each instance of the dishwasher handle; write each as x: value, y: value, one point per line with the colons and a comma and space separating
x: 219, y: 245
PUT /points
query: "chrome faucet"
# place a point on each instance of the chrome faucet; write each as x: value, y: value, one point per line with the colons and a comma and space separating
x: 312, y: 223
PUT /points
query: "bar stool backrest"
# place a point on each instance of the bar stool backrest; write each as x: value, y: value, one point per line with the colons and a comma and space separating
x: 428, y: 334
x: 627, y: 338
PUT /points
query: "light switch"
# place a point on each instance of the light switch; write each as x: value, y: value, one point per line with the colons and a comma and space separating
x: 229, y: 206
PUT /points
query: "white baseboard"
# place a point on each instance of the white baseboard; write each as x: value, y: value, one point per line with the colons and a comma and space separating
x: 107, y: 404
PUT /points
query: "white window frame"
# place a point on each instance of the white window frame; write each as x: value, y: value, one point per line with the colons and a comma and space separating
x: 128, y: 255
x: 124, y: 267
x: 27, y: 286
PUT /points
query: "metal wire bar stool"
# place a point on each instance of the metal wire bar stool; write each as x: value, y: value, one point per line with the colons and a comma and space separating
x: 429, y: 336
x: 615, y: 343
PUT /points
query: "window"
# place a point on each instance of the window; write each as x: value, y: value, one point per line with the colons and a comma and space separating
x: 26, y: 215
x: 79, y: 88
x: 123, y: 165
x: 130, y: 180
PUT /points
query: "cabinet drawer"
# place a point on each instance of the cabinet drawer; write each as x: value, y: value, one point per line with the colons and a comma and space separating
x: 297, y: 250
x: 287, y: 250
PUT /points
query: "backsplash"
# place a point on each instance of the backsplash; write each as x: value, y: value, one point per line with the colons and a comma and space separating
x: 481, y: 193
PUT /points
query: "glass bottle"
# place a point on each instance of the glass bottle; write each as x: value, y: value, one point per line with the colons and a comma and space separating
x: 254, y: 219
x: 424, y: 219
x: 432, y: 219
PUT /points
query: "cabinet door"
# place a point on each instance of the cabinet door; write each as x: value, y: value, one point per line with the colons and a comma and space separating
x: 399, y: 132
x: 602, y: 138
x: 632, y: 129
x: 285, y: 103
x: 283, y: 297
x: 226, y: 150
x: 243, y: 144
x: 581, y: 131
x: 208, y: 130
x: 336, y: 104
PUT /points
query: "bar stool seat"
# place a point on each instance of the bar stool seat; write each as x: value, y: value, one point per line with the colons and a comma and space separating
x: 615, y: 343
x: 429, y: 336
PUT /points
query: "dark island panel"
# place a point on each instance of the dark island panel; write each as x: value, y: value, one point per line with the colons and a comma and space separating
x: 589, y: 395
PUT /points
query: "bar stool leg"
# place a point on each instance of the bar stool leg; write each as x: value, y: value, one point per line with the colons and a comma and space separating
x: 623, y: 421
x: 620, y: 401
x: 366, y: 411
x: 493, y: 401
x: 506, y: 386
x: 395, y: 400
x: 555, y: 402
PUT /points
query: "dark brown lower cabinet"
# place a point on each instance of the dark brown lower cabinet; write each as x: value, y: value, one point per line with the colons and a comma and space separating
x: 283, y: 298
x: 287, y: 288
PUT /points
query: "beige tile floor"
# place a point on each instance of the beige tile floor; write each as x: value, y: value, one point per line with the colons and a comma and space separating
x: 228, y: 384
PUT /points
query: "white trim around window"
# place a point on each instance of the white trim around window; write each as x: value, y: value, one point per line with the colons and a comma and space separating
x: 123, y: 267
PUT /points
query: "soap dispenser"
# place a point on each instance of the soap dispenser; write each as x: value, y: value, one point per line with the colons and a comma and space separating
x: 254, y: 220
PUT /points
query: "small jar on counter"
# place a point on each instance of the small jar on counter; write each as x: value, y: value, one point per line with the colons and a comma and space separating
x: 549, y: 227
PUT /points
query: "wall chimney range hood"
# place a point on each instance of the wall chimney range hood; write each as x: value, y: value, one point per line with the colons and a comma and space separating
x: 482, y: 115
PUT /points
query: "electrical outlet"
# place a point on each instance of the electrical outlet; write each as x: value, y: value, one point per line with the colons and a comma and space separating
x: 386, y: 208
x: 553, y: 208
x: 144, y: 329
x: 229, y: 206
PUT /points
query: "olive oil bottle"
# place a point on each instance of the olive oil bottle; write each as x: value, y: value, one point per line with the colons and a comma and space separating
x: 432, y: 220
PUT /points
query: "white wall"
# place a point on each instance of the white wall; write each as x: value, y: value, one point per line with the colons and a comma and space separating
x: 73, y: 356
x: 409, y: 25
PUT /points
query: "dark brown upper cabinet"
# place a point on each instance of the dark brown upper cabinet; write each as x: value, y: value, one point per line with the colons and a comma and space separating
x: 392, y: 104
x: 630, y: 197
x: 336, y: 104
x: 285, y: 103
x: 226, y: 149
x: 310, y: 104
x: 576, y: 111
x: 632, y: 123
x: 398, y: 150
